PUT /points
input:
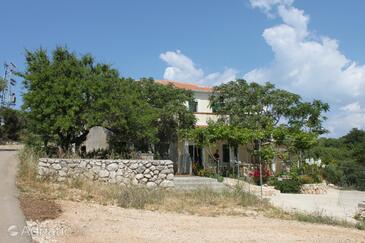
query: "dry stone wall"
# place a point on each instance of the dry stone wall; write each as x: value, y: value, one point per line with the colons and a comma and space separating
x: 320, y: 188
x: 151, y: 173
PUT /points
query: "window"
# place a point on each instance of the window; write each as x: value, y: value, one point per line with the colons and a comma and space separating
x: 215, y: 108
x: 193, y: 106
x: 217, y: 105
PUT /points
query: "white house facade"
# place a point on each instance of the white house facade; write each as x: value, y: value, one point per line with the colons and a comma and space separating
x: 188, y: 154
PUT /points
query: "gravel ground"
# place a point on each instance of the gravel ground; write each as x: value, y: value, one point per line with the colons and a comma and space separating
x: 336, y: 203
x: 97, y: 223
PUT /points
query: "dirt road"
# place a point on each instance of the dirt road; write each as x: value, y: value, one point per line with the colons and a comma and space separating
x: 12, y: 221
x: 97, y: 223
x: 335, y: 203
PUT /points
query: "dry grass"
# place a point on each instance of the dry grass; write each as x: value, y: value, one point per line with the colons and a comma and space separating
x: 202, y: 201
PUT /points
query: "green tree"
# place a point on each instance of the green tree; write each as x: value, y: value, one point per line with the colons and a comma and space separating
x: 343, y: 158
x: 128, y: 115
x: 279, y: 114
x: 62, y: 91
x: 12, y: 124
x: 2, y: 84
x: 256, y: 106
x: 169, y: 105
x: 355, y: 141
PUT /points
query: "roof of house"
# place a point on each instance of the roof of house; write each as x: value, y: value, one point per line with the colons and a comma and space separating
x: 189, y: 86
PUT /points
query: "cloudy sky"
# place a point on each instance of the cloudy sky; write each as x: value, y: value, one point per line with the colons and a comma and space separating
x: 313, y: 48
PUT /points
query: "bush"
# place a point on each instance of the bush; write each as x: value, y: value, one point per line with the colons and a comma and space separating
x: 27, y: 172
x: 306, y: 179
x: 308, y: 174
x: 220, y: 178
x: 206, y: 172
x: 255, y: 174
x: 346, y: 174
x: 292, y: 185
x: 332, y: 174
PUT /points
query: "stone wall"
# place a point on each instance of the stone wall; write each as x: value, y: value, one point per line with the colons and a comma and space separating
x: 145, y: 172
x: 320, y: 188
x: 361, y: 207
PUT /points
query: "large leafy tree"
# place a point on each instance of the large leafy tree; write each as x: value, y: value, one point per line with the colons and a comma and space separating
x: 62, y: 90
x: 278, y: 112
x: 344, y: 158
x: 12, y: 124
x: 128, y: 115
x: 169, y: 105
x: 355, y: 141
x: 257, y: 106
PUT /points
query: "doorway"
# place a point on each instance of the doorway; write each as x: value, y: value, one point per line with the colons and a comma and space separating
x: 196, y: 155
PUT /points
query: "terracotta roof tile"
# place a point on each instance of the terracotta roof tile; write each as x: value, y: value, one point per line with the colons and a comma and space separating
x: 189, y: 86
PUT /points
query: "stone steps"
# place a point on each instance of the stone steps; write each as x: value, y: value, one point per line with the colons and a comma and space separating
x: 196, y: 182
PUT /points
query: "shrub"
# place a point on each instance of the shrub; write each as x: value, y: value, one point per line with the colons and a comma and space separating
x: 291, y: 185
x: 332, y: 174
x: 255, y: 174
x: 206, y: 172
x: 309, y: 173
x: 306, y: 179
x: 27, y: 172
x: 220, y: 178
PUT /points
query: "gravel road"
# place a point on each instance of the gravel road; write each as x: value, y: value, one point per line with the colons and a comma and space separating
x: 339, y: 204
x: 97, y: 223
x: 12, y: 220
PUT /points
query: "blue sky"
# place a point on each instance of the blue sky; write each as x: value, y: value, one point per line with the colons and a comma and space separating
x: 209, y: 41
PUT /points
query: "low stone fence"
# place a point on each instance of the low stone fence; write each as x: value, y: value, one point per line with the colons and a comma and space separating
x: 361, y: 207
x: 145, y: 172
x: 267, y: 191
x: 320, y: 188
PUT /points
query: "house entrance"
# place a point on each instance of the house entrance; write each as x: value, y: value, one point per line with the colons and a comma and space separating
x: 196, y: 155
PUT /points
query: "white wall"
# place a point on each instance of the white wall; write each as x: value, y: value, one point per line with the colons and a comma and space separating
x: 203, y: 101
x: 202, y: 119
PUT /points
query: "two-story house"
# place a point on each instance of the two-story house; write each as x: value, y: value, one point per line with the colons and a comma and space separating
x: 188, y: 154
x: 185, y: 154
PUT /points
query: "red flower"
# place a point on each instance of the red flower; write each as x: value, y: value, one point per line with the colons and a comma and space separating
x: 256, y: 173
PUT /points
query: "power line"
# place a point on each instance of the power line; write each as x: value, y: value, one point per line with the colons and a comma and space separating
x: 7, y: 95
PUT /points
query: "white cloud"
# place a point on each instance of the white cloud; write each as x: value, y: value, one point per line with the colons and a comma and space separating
x: 310, y: 65
x: 353, y: 107
x: 345, y: 120
x: 267, y: 5
x: 182, y: 68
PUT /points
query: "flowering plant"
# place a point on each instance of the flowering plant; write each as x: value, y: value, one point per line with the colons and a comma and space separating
x: 255, y: 174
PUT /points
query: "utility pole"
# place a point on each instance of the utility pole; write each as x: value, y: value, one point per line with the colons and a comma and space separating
x: 258, y: 151
x: 261, y: 181
x: 7, y: 96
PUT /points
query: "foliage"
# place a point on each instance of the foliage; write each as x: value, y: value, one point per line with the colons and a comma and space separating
x: 12, y: 125
x: 208, y: 172
x: 262, y: 116
x: 128, y: 116
x: 291, y: 185
x: 298, y: 175
x: 62, y: 93
x: 256, y: 106
x: 220, y: 178
x: 2, y: 84
x: 211, y: 173
x: 171, y: 113
x: 67, y: 94
x: 255, y: 174
x: 219, y: 131
x: 306, y: 172
x: 343, y: 158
